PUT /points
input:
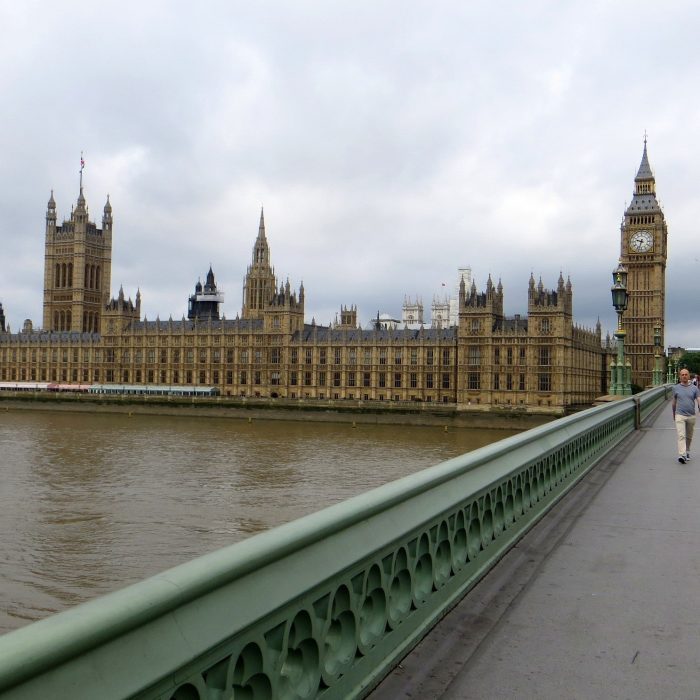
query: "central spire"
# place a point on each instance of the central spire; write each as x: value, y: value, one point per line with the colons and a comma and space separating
x: 261, y: 228
x: 644, y: 172
x: 260, y: 284
x: 261, y: 252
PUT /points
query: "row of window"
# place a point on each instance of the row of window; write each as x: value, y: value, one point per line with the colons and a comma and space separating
x: 275, y: 355
x: 443, y: 380
x: 63, y: 276
x: 509, y: 382
x: 350, y: 356
x: 63, y: 320
x: 544, y: 356
x: 352, y: 379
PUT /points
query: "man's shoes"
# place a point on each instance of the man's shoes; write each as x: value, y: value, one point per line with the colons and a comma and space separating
x: 681, y: 459
x: 687, y: 456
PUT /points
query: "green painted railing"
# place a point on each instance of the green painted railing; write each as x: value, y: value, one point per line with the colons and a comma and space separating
x: 323, y: 606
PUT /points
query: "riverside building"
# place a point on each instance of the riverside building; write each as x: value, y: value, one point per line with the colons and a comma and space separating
x: 540, y: 362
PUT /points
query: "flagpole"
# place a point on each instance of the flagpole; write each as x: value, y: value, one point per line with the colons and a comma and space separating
x: 82, y: 165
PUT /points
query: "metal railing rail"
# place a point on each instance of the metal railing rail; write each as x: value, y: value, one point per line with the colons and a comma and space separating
x: 323, y: 606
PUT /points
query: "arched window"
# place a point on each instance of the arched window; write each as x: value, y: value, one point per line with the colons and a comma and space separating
x: 70, y: 274
x: 56, y: 321
x: 57, y: 276
x: 69, y: 320
x: 97, y: 277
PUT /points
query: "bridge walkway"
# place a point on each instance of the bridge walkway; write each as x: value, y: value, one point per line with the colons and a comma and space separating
x: 600, y: 600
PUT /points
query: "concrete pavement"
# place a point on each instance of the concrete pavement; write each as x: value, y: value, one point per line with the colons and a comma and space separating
x: 600, y: 600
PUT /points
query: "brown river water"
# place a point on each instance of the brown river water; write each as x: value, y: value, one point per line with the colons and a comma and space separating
x: 92, y: 502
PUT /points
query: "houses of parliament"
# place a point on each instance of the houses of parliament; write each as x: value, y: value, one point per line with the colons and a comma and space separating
x: 539, y: 362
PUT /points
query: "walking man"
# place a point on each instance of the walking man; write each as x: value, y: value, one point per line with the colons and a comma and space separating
x: 686, y: 397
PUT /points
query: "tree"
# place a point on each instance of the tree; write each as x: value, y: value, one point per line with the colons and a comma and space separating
x: 690, y: 360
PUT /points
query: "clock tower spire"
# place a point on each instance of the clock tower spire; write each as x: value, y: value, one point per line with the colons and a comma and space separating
x: 643, y: 252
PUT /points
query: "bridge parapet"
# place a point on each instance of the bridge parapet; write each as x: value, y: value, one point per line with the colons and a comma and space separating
x: 325, y: 605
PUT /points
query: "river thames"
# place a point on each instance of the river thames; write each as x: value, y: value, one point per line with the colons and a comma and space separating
x: 92, y: 502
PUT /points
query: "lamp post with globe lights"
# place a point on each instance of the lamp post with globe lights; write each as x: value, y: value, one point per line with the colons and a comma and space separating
x: 658, y: 378
x: 621, y: 384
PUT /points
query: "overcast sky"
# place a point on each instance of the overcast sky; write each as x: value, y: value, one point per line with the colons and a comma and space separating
x: 389, y: 142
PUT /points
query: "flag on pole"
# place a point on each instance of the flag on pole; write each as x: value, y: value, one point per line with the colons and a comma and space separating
x: 82, y: 162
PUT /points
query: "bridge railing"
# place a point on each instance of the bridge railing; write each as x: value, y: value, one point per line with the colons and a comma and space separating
x: 323, y: 606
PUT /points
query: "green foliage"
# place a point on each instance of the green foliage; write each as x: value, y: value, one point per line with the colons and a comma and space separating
x: 691, y: 360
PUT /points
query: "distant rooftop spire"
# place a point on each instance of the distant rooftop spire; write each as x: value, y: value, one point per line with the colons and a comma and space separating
x: 261, y: 228
x: 644, y: 172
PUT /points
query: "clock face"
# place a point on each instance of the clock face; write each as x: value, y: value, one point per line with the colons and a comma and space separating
x: 641, y: 242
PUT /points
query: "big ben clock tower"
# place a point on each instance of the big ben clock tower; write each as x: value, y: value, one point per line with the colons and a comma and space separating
x: 643, y: 253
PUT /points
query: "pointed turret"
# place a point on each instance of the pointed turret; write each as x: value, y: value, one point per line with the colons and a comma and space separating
x: 51, y: 214
x: 80, y: 206
x: 260, y: 285
x: 210, y: 285
x: 261, y: 253
x: 644, y: 197
x: 644, y: 172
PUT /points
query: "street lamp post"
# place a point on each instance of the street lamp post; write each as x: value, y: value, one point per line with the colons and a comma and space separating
x: 672, y: 376
x: 621, y: 380
x: 658, y: 379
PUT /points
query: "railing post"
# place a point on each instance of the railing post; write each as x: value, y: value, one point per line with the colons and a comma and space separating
x: 637, y: 414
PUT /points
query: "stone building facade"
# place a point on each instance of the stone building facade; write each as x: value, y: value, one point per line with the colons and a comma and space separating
x: 643, y: 251
x: 77, y: 268
x: 540, y: 362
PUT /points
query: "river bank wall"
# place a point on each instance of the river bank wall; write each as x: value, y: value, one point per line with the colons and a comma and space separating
x: 509, y: 419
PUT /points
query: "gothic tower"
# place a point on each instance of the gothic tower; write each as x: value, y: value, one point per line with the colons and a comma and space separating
x: 205, y: 302
x: 643, y: 252
x: 77, y: 268
x: 260, y: 284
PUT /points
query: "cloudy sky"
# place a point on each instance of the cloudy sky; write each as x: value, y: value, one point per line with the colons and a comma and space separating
x: 389, y: 142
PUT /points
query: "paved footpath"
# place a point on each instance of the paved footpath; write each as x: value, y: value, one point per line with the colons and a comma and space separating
x: 600, y: 600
